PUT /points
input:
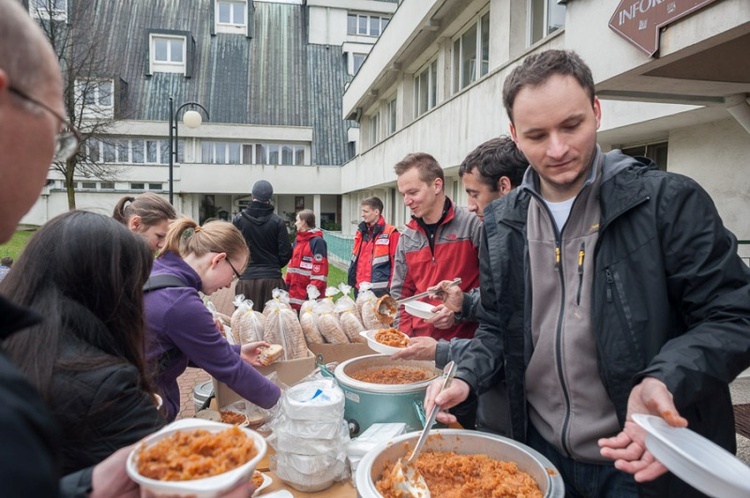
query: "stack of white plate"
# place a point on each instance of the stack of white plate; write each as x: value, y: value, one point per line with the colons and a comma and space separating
x: 309, y: 436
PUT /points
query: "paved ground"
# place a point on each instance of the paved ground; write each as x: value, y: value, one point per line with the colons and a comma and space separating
x: 741, y: 395
x: 187, y: 381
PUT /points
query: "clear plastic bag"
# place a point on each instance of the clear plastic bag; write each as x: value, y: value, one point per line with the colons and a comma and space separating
x: 366, y: 302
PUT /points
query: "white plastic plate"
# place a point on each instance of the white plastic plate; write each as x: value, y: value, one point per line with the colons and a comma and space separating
x: 696, y: 460
x: 419, y: 309
x: 376, y: 346
x: 266, y: 482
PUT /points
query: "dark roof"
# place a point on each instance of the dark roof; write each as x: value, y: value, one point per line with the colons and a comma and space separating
x: 271, y: 78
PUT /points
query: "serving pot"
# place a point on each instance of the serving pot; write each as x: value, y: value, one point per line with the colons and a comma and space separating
x: 461, y: 441
x: 367, y: 403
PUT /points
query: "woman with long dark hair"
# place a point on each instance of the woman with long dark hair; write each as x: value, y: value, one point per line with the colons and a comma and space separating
x: 84, y: 274
x: 147, y: 215
x: 180, y: 329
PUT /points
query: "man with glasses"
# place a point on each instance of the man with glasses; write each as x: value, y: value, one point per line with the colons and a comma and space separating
x: 33, y: 134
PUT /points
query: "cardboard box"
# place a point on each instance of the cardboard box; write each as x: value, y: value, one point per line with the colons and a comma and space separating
x: 340, y: 352
x: 289, y: 372
x: 292, y: 371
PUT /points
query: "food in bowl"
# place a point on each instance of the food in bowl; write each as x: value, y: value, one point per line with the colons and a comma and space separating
x: 453, y: 475
x: 233, y: 418
x: 386, y: 309
x: 391, y: 337
x: 195, y: 454
x: 392, y: 375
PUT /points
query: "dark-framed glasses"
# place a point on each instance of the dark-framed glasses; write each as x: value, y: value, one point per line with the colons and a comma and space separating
x: 68, y: 137
x: 236, y: 273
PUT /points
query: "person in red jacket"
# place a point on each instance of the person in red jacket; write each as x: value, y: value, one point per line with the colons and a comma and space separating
x: 309, y: 264
x: 374, y: 249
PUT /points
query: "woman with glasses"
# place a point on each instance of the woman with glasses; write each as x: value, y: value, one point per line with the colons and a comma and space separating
x: 147, y: 215
x: 180, y: 329
x: 83, y: 273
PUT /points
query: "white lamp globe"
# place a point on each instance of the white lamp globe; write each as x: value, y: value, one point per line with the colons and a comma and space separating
x: 192, y: 119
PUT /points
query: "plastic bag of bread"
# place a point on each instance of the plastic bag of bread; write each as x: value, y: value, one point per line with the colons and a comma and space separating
x: 280, y: 299
x: 345, y: 302
x: 307, y: 318
x: 247, y: 324
x: 283, y: 327
x: 366, y: 302
x: 329, y: 324
x: 346, y: 311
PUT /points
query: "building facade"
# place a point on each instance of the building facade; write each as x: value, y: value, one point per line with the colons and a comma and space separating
x: 433, y: 83
x: 269, y: 76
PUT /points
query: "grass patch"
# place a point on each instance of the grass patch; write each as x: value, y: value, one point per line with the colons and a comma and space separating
x: 16, y: 244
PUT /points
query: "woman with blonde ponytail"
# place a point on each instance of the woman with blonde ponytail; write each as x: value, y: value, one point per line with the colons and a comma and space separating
x: 181, y: 330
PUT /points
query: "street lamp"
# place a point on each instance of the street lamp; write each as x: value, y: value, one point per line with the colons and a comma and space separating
x: 191, y: 119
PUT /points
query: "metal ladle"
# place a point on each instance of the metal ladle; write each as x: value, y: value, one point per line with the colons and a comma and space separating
x: 388, y: 307
x: 406, y: 477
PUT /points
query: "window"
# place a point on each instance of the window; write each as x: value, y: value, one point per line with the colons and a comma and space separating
x: 88, y: 185
x: 107, y: 185
x: 135, y: 151
x: 357, y: 61
x: 45, y: 9
x: 156, y: 186
x: 244, y: 153
x: 474, y: 42
x: 231, y: 16
x: 366, y: 25
x: 96, y: 97
x: 167, y: 54
x: 392, y: 110
x: 425, y: 89
x: 374, y: 129
x: 545, y: 17
x: 137, y: 186
x: 658, y: 152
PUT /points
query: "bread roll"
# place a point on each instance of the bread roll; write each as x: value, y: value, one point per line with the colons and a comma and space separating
x: 271, y: 354
x: 330, y: 328
x: 352, y: 326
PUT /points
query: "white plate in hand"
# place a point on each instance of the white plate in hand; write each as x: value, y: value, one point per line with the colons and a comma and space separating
x: 696, y: 460
x: 266, y: 482
x: 376, y: 346
x: 420, y: 309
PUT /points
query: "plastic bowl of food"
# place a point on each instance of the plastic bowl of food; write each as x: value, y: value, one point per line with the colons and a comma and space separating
x: 419, y: 309
x: 207, y: 487
x: 375, y: 345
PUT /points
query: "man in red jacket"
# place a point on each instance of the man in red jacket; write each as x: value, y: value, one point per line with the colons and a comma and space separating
x: 441, y: 242
x: 374, y: 249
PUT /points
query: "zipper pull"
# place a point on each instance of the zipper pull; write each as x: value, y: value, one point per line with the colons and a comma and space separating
x: 557, y: 255
x: 610, y: 281
x: 581, y: 254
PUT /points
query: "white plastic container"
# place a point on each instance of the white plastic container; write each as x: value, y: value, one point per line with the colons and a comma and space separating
x: 209, y: 487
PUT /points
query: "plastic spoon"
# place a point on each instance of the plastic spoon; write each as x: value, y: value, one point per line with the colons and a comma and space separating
x: 406, y: 476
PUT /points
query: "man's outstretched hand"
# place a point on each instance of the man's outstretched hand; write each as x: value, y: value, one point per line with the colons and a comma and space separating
x: 628, y: 448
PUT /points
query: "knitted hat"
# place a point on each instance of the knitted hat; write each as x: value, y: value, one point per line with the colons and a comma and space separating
x: 262, y: 191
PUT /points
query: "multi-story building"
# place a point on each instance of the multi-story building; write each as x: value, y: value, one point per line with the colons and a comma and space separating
x: 270, y: 75
x: 433, y: 83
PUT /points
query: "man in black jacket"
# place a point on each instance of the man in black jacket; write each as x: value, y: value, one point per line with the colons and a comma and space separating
x: 608, y: 288
x: 270, y: 250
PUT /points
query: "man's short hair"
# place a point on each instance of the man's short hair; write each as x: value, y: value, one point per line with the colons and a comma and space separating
x: 494, y: 159
x: 21, y: 47
x: 373, y: 203
x: 538, y: 68
x: 429, y: 168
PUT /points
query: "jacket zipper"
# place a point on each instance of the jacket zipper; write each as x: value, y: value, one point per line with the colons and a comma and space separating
x: 610, y: 282
x: 558, y: 346
x: 581, y: 255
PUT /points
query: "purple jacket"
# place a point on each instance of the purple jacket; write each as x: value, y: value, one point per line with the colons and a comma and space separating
x: 176, y: 318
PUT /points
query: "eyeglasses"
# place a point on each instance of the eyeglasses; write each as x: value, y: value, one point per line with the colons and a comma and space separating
x: 67, y: 139
x: 236, y: 273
